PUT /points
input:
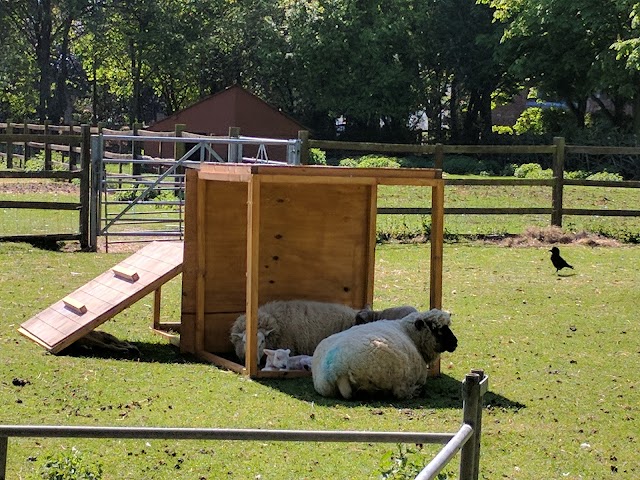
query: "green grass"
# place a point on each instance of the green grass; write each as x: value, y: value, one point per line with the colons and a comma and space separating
x: 561, y: 353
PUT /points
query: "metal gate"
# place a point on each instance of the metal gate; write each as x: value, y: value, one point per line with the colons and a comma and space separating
x: 142, y: 199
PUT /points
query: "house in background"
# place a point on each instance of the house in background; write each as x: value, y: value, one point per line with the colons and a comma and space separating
x: 232, y: 107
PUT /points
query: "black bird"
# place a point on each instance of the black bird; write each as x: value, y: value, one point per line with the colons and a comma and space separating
x: 557, y: 260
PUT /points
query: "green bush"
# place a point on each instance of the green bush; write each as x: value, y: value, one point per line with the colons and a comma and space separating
x: 530, y: 121
x: 371, y: 161
x: 374, y: 161
x: 576, y: 175
x: 317, y: 157
x: 606, y: 176
x: 348, y: 162
x: 533, y: 171
x: 463, y: 165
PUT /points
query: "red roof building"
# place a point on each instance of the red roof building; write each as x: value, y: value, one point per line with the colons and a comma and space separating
x: 232, y: 107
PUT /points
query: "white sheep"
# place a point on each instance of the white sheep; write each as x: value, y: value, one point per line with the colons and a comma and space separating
x: 280, y: 359
x: 384, y: 357
x: 276, y: 359
x: 366, y: 315
x: 298, y: 325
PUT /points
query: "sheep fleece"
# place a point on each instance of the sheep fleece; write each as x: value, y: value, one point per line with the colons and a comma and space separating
x: 379, y: 357
x: 298, y: 325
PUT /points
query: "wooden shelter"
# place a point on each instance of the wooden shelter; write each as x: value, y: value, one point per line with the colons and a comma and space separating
x: 257, y: 233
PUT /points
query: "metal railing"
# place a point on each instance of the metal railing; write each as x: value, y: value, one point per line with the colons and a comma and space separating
x: 150, y: 205
x: 466, y: 439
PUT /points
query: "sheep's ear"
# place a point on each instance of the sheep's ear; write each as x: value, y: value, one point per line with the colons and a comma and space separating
x: 236, y: 335
x: 267, y: 332
x: 288, y: 350
x: 268, y: 352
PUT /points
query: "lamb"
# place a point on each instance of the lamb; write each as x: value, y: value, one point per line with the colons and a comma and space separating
x: 298, y: 325
x: 384, y: 357
x: 276, y: 359
x: 366, y: 315
x: 280, y: 360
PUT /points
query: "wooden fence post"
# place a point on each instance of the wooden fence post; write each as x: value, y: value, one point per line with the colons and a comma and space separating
x: 303, y: 136
x: 25, y: 149
x: 73, y: 159
x: 233, y: 150
x: 136, y: 151
x: 9, y: 145
x: 472, y: 415
x: 178, y: 152
x: 47, y: 148
x: 85, y: 166
x: 178, y: 147
x: 438, y: 157
x: 558, y: 181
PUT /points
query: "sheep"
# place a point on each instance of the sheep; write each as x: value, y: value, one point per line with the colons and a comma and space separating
x: 300, y: 362
x: 366, y: 315
x: 276, y: 359
x: 298, y: 325
x: 280, y: 360
x: 384, y: 357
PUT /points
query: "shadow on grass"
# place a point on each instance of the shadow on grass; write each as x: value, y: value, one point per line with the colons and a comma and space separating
x: 147, y: 352
x: 440, y: 392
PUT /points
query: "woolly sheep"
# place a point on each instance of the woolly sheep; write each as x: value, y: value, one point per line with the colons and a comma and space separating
x: 298, y: 325
x: 384, y: 357
x: 366, y: 315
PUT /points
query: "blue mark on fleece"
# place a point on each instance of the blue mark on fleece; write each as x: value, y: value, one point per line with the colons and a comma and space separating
x: 329, y: 360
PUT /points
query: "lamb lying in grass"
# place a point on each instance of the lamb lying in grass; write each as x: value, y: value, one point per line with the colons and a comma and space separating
x: 383, y: 357
x: 280, y: 360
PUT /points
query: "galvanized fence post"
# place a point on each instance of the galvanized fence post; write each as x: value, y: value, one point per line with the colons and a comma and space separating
x: 97, y: 145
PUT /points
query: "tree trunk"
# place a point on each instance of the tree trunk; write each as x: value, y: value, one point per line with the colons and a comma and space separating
x: 43, y: 57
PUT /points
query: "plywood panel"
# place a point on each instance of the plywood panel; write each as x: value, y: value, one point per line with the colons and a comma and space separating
x: 314, y: 242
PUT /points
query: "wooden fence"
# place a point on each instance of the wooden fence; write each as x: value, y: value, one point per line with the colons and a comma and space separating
x: 74, y: 142
x: 558, y: 151
x: 21, y: 140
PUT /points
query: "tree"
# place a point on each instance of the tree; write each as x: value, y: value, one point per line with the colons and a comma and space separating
x: 563, y: 47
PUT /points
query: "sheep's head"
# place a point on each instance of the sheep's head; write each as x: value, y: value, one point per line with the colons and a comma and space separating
x: 439, y: 337
x: 241, y: 344
x: 277, y: 359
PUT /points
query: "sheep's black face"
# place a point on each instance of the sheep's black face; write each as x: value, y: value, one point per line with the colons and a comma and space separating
x: 445, y: 339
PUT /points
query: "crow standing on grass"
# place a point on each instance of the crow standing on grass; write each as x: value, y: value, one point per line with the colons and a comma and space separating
x: 557, y: 260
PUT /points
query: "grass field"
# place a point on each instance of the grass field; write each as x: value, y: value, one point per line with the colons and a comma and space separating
x: 561, y: 352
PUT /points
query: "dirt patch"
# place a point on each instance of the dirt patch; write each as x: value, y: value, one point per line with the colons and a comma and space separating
x: 542, y: 236
x: 38, y: 186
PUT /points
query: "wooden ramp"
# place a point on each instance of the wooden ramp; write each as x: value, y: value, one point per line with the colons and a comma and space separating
x: 107, y: 295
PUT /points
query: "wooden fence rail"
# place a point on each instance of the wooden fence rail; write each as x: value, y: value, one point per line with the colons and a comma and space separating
x: 557, y: 151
